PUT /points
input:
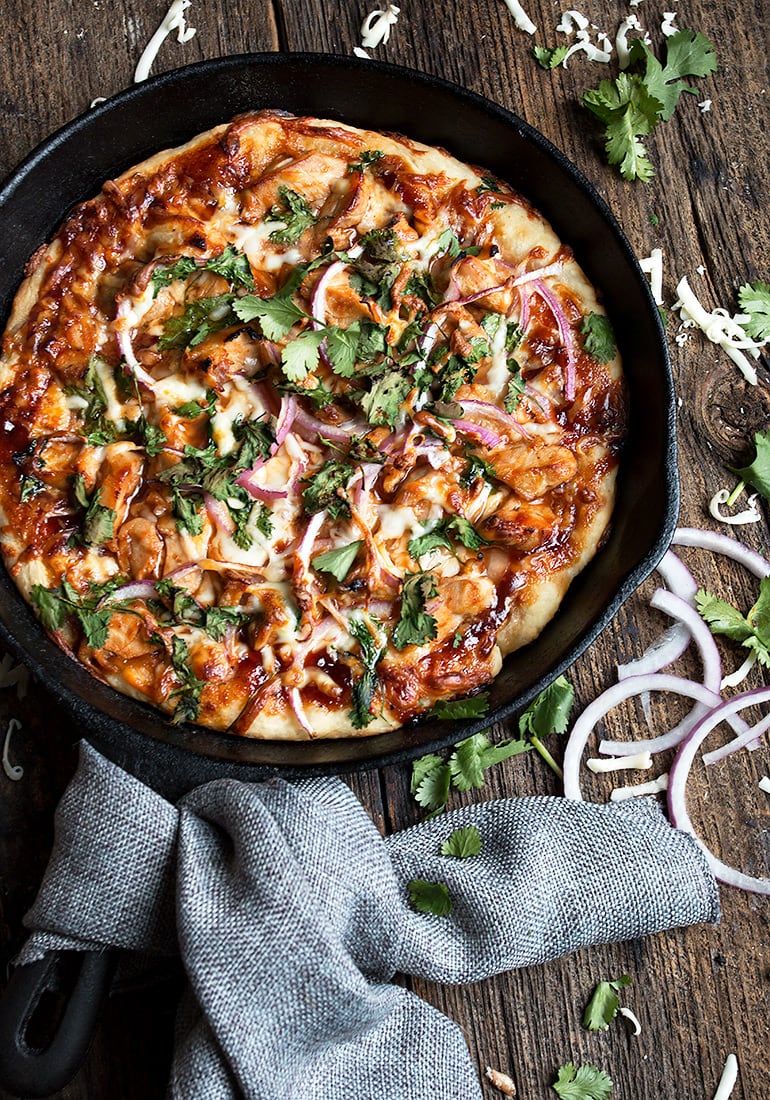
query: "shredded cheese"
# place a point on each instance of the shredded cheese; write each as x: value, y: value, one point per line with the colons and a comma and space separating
x: 520, y: 17
x: 655, y: 786
x: 740, y: 674
x: 640, y: 762
x: 751, y: 514
x: 728, y: 1078
x: 652, y: 265
x: 668, y: 26
x: 764, y: 784
x: 719, y: 327
x: 631, y: 22
x: 174, y: 20
x: 14, y: 771
x: 632, y: 1019
x: 705, y: 105
x: 375, y: 29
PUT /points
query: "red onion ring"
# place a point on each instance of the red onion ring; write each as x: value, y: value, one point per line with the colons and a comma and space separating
x: 285, y: 420
x: 677, y: 784
x: 310, y: 427
x: 565, y: 334
x: 484, y: 435
x: 220, y: 518
x: 136, y: 590
x: 610, y: 698
x: 299, y: 711
x: 494, y: 412
x: 722, y: 544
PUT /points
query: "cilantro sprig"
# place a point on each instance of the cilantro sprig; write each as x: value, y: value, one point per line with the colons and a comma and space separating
x: 752, y: 631
x: 415, y: 625
x: 58, y: 604
x: 603, y: 1006
x: 584, y: 1082
x: 754, y: 300
x: 631, y: 106
x: 465, y: 768
x: 372, y: 650
x: 757, y: 473
x: 230, y: 263
x: 295, y: 214
x: 548, y: 713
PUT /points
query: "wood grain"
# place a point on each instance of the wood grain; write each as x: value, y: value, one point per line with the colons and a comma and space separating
x: 699, y: 993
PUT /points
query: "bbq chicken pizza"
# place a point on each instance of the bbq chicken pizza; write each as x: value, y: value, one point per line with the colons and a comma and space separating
x: 303, y: 429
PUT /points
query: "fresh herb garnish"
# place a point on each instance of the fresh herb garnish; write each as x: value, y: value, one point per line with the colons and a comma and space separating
x: 445, y: 534
x: 598, y: 337
x: 98, y: 522
x: 754, y: 300
x: 550, y: 57
x: 602, y: 1009
x: 325, y: 490
x: 757, y: 473
x: 474, y: 706
x: 29, y: 487
x: 98, y: 429
x: 582, y: 1083
x: 56, y: 605
x: 365, y: 686
x: 462, y: 843
x: 277, y: 315
x: 476, y: 468
x: 431, y: 776
x: 200, y: 318
x: 488, y: 183
x: 752, y: 631
x: 415, y: 625
x: 382, y: 404
x: 548, y: 713
x: 230, y: 264
x: 188, y: 694
x: 374, y: 271
x: 631, y: 106
x: 429, y: 897
x: 339, y: 561
x: 367, y: 158
x: 294, y: 212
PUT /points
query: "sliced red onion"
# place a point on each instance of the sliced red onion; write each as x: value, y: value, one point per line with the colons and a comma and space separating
x: 718, y: 543
x: 285, y: 420
x: 494, y: 412
x: 610, y: 698
x: 484, y: 435
x: 677, y: 786
x: 132, y: 363
x: 318, y: 299
x: 220, y: 518
x: 468, y: 298
x: 523, y: 309
x: 677, y: 577
x: 136, y: 590
x: 750, y: 738
x: 539, y: 273
x: 299, y: 712
x: 740, y: 674
x: 305, y: 547
x: 310, y: 428
x: 668, y: 648
x: 565, y: 334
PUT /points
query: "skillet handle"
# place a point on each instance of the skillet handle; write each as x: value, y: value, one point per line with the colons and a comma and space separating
x: 48, y: 1016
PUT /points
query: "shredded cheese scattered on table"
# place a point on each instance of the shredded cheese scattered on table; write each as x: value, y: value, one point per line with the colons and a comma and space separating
x: 520, y: 17
x: 728, y: 1078
x: 655, y: 786
x: 174, y: 20
x: 719, y: 327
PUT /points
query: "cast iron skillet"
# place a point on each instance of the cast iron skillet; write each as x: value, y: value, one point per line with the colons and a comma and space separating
x: 167, y: 111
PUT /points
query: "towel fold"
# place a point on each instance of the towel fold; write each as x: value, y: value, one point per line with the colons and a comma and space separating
x: 291, y: 915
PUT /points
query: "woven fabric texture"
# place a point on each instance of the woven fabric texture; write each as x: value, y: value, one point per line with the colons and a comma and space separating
x: 291, y: 915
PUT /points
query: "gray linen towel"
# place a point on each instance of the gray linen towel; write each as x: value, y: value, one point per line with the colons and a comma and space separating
x: 291, y: 916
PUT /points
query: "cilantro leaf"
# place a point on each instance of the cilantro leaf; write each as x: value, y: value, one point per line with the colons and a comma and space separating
x: 382, y: 405
x: 200, y: 318
x: 475, y: 754
x: 430, y: 782
x: 325, y: 489
x: 365, y: 686
x: 582, y: 1083
x: 475, y: 706
x: 751, y: 631
x: 50, y: 606
x: 337, y: 562
x: 429, y: 897
x: 598, y: 337
x: 277, y: 315
x: 629, y: 112
x: 29, y: 487
x: 342, y: 348
x: 98, y: 521
x: 757, y: 473
x: 301, y: 355
x: 415, y: 625
x: 549, y: 712
x: 550, y: 57
x: 164, y: 276
x: 374, y: 271
x: 462, y: 843
x: 488, y: 183
x: 687, y: 54
x: 754, y: 299
x: 515, y: 391
x: 294, y: 212
x: 450, y: 528
x: 233, y: 266
x: 477, y: 467
x: 367, y: 158
x: 602, y: 1009
x: 188, y: 694
x: 98, y: 429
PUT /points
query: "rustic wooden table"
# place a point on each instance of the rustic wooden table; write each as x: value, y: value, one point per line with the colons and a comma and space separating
x: 699, y: 993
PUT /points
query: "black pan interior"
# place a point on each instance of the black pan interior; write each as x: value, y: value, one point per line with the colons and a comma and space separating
x: 170, y: 109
